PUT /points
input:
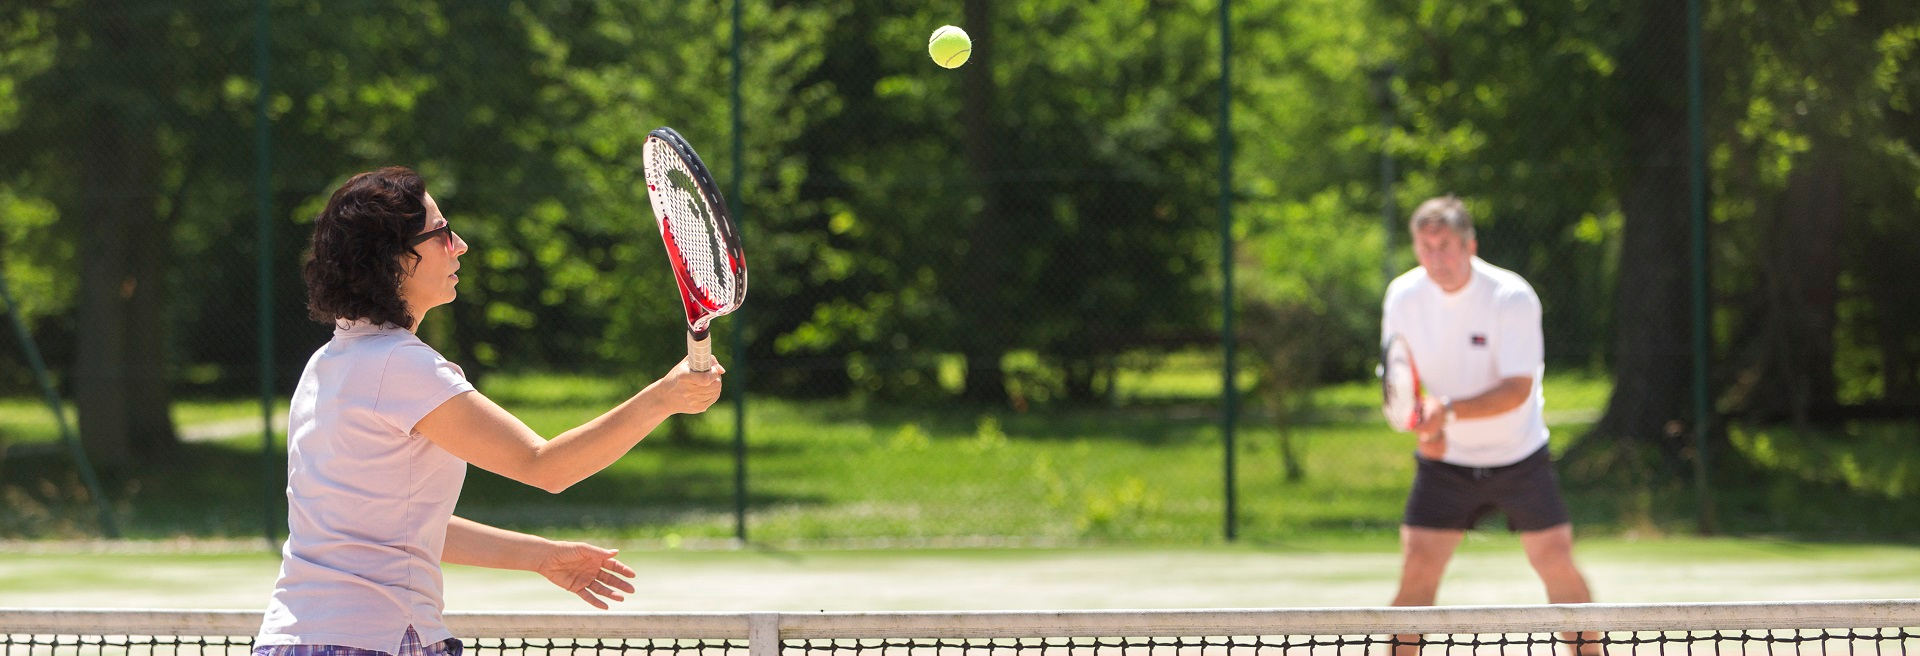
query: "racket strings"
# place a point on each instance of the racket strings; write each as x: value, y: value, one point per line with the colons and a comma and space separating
x: 693, y: 228
x: 1400, y: 385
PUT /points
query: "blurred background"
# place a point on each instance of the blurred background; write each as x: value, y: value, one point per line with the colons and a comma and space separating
x: 1115, y: 280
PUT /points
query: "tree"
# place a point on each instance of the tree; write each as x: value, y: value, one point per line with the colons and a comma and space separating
x: 982, y: 288
x: 1044, y: 198
x: 114, y: 160
x: 1652, y: 334
x: 1824, y: 142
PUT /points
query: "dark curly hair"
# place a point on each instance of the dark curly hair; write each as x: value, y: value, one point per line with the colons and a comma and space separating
x: 353, y: 268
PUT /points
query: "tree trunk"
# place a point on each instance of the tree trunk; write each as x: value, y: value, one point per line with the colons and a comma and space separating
x: 983, y: 272
x: 119, y: 386
x: 1652, y: 354
x: 1785, y: 371
x: 1891, y: 291
x: 1885, y: 273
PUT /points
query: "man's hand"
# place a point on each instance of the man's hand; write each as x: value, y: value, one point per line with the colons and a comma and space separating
x: 1432, y: 429
x: 1432, y: 445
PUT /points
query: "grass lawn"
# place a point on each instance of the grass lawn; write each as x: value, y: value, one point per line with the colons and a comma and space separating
x: 867, y: 506
x: 850, y: 473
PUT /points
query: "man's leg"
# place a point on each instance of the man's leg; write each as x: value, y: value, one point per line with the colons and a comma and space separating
x: 1550, y: 551
x: 1424, y: 554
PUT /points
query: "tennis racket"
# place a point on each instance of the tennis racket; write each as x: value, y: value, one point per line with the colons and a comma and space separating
x: 702, y: 244
x: 1400, y: 395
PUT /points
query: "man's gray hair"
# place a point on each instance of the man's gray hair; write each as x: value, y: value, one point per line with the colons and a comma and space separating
x: 1445, y: 210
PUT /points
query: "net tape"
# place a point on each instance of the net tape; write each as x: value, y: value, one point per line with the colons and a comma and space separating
x: 1856, y: 627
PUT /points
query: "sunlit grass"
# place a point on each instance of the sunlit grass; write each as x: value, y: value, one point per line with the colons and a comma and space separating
x: 193, y: 413
x: 30, y: 420
x: 863, y: 471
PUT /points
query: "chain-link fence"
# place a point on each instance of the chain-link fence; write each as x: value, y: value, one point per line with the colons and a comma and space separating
x: 988, y: 303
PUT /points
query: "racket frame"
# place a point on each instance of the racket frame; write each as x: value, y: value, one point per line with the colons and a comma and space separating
x: 701, y: 307
x: 1387, y: 384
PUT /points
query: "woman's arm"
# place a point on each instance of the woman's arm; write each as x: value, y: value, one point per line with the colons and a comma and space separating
x: 577, y: 567
x: 475, y: 429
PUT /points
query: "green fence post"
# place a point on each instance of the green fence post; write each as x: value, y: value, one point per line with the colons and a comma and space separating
x: 739, y: 369
x: 263, y: 209
x: 1697, y: 201
x: 1389, y: 212
x: 1228, y: 391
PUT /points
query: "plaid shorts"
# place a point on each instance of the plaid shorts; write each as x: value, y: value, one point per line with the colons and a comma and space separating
x: 409, y: 646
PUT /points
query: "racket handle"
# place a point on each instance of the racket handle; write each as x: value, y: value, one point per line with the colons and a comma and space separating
x: 699, y: 351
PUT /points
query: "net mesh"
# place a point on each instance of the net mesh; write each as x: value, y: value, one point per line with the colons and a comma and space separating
x: 1870, y: 641
x: 1869, y: 627
x: 65, y: 645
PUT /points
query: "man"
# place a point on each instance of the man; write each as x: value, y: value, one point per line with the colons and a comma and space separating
x: 1474, y: 330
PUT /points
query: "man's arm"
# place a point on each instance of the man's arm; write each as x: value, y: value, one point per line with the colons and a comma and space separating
x: 1504, y: 397
x: 1510, y: 393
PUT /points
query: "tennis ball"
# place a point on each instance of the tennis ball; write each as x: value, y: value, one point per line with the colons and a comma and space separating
x: 949, y: 46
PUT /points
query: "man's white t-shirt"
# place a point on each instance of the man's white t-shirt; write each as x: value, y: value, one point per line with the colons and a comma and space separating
x: 368, y: 499
x: 1464, y: 344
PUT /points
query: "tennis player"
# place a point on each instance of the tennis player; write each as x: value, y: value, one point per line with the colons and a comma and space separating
x: 382, y: 428
x: 1475, y: 330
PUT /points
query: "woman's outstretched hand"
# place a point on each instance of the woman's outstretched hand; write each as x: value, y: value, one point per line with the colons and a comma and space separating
x: 588, y: 571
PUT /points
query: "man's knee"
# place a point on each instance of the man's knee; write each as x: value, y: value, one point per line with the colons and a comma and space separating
x: 1550, y: 547
x: 1427, y: 547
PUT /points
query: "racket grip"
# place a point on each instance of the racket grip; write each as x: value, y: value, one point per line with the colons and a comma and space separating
x: 699, y: 351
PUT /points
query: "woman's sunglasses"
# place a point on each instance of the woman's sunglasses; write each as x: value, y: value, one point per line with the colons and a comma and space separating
x: 445, y: 232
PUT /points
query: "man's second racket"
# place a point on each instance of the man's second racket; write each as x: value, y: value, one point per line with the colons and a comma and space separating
x: 702, y: 244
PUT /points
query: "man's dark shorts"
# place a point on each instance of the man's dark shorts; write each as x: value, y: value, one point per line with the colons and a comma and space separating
x: 1449, y: 496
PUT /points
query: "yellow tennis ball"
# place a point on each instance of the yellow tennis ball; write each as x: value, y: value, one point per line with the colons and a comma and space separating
x: 949, y: 46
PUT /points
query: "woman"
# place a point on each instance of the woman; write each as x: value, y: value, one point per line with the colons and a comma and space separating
x: 381, y: 430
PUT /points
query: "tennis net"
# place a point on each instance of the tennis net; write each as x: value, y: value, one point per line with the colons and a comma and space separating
x: 1831, y: 627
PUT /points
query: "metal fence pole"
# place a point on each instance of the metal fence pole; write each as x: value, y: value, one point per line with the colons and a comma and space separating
x: 1697, y: 193
x: 739, y: 370
x: 1389, y: 211
x: 263, y: 208
x: 1229, y: 392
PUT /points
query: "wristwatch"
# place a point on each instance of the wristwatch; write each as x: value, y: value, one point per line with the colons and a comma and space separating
x: 1446, y: 411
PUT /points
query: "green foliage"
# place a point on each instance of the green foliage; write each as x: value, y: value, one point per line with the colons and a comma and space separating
x: 885, y: 250
x: 1099, y: 163
x: 1855, y: 457
x: 526, y: 120
x: 31, y: 256
x: 1515, y: 107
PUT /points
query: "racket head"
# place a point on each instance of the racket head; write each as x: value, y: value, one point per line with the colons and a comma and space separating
x: 1400, y: 395
x: 703, y: 245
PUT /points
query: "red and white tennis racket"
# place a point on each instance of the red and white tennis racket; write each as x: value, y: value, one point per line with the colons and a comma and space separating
x: 702, y: 244
x: 1400, y: 395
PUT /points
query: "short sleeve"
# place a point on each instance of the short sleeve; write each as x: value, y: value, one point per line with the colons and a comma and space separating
x: 1390, y: 305
x: 1386, y: 317
x: 416, y: 381
x: 1521, y: 349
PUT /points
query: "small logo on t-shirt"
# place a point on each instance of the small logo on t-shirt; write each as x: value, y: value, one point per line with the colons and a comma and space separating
x: 1479, y: 339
